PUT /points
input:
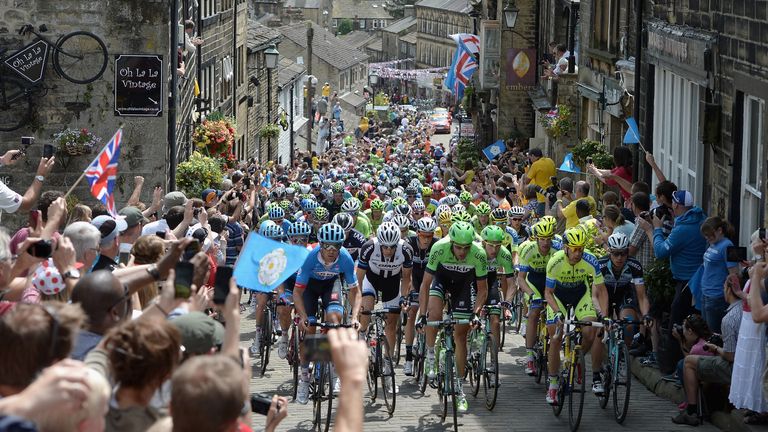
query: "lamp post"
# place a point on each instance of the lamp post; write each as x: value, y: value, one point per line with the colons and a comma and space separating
x: 271, y: 56
x: 311, y: 84
x: 373, y: 78
x: 510, y: 14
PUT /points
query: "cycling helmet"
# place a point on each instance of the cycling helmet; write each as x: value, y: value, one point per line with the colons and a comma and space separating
x: 451, y: 182
x: 285, y: 205
x: 295, y: 186
x: 309, y: 204
x: 361, y: 195
x: 397, y: 193
x: 462, y: 233
x: 575, y: 237
x: 543, y: 229
x: 399, y: 200
x: 344, y: 220
x: 437, y: 186
x: 618, y: 241
x: 403, y: 209
x: 492, y: 233
x: 442, y: 208
x: 276, y: 212
x: 458, y: 207
x: 290, y: 191
x: 426, y: 191
x: 354, y: 184
x: 426, y: 224
x: 483, y: 209
x: 465, y: 197
x: 337, y: 187
x: 381, y: 190
x: 316, y: 185
x: 388, y: 234
x: 411, y: 190
x: 304, y: 188
x: 498, y: 215
x: 451, y: 200
x: 451, y: 190
x: 331, y: 233
x: 418, y: 206
x: 549, y: 220
x: 460, y: 216
x: 321, y: 214
x: 299, y: 228
x: 516, y: 211
x: 377, y: 204
x: 445, y: 217
x: 271, y: 230
x: 368, y: 188
x: 351, y: 205
x: 401, y: 221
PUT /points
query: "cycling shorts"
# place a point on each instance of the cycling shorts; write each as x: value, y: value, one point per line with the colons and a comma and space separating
x: 461, y: 298
x: 494, y: 297
x: 326, y: 290
x: 584, y: 307
x: 388, y: 287
x: 537, y: 282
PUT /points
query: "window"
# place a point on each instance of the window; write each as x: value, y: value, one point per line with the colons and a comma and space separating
x: 208, y: 8
x: 225, y: 78
x: 361, y: 24
x: 335, y: 22
x: 227, y: 4
x: 752, y: 169
x: 241, y: 65
x: 208, y: 85
x: 605, y: 25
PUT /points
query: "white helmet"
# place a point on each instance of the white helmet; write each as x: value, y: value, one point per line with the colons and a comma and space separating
x: 426, y: 224
x: 388, y: 234
x: 516, y: 211
x: 401, y: 221
x: 618, y: 241
x: 458, y: 207
x: 441, y: 208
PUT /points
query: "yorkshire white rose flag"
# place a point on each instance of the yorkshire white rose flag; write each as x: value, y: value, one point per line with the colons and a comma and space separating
x: 264, y: 264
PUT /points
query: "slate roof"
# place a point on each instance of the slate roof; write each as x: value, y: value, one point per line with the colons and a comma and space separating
x: 325, y: 45
x: 400, y: 25
x: 362, y: 9
x: 303, y: 4
x: 460, y: 6
x: 288, y: 70
x: 260, y: 36
x: 359, y: 39
x: 409, y: 38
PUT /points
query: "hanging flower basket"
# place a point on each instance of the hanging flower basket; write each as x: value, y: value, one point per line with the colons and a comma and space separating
x: 270, y: 131
x: 215, y: 137
x: 557, y: 122
x: 76, y: 142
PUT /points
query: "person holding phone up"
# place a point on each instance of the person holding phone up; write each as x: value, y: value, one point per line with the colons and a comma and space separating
x: 11, y: 201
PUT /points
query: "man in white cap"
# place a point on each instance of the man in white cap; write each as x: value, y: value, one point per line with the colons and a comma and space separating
x: 109, y: 247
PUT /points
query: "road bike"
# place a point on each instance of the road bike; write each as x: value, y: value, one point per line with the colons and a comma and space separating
x: 380, y: 364
x: 482, y: 360
x: 321, y: 385
x: 444, y: 359
x: 79, y: 57
x: 616, y: 374
x: 270, y: 331
x: 419, y: 355
x: 541, y: 347
x: 515, y: 320
x: 400, y: 334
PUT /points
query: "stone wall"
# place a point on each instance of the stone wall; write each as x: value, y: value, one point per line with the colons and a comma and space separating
x: 127, y: 27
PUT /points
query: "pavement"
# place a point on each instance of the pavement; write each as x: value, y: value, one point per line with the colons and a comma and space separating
x: 520, y: 405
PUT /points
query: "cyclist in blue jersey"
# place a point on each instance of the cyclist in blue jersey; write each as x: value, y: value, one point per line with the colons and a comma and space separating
x: 317, y: 280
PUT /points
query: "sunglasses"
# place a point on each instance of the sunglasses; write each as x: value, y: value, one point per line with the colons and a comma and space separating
x: 461, y: 247
x: 411, y: 196
x: 493, y: 244
x: 388, y: 247
x: 576, y: 248
x: 425, y: 234
x: 619, y: 253
x: 517, y: 219
x: 330, y: 246
x: 300, y: 239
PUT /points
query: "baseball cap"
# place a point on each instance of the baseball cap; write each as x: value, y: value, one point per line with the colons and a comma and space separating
x: 682, y: 197
x: 109, y: 227
x: 133, y: 216
x: 210, y: 195
x: 172, y: 199
x: 535, y: 152
x: 199, y: 332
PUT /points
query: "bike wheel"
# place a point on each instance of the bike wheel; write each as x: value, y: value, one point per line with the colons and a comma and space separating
x: 387, y: 377
x: 576, y: 392
x: 317, y: 399
x: 266, y: 340
x: 502, y: 329
x: 622, y: 380
x: 400, y: 336
x: 519, y: 310
x: 490, y: 373
x: 373, y: 356
x: 562, y: 389
x: 328, y: 389
x: 293, y: 357
x: 473, y: 366
x: 443, y: 393
x: 539, y: 362
x: 80, y: 57
x: 15, y: 104
x: 606, y: 377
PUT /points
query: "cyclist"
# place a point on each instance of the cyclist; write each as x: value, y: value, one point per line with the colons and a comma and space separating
x: 316, y: 189
x: 421, y: 244
x: 437, y: 190
x: 317, y: 280
x: 384, y: 262
x: 360, y: 221
x: 337, y: 199
x: 375, y: 214
x: 465, y: 197
x: 319, y: 218
x: 443, y: 221
x: 353, y: 239
x: 521, y: 230
x: 499, y: 266
x: 570, y: 272
x: 411, y: 193
x: 426, y: 197
x: 482, y: 216
x: 417, y: 212
x: 499, y: 218
x: 298, y: 234
x: 534, y: 256
x: 455, y: 264
x: 270, y: 230
x: 624, y: 281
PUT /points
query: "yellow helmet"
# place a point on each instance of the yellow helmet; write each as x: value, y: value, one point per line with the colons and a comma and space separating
x: 445, y: 217
x: 575, y: 237
x: 543, y: 229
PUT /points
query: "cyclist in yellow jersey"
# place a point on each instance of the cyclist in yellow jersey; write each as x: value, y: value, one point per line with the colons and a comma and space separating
x: 570, y: 273
x: 443, y: 222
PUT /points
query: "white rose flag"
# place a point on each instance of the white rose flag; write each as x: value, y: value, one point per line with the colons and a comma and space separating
x: 264, y: 264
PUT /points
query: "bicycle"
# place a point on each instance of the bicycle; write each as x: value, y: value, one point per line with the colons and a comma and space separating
x: 541, y: 347
x: 293, y: 358
x: 419, y: 356
x: 79, y: 57
x: 321, y: 384
x: 269, y: 332
x: 400, y: 335
x: 515, y: 320
x: 444, y: 358
x: 380, y: 363
x: 482, y: 361
x: 616, y: 374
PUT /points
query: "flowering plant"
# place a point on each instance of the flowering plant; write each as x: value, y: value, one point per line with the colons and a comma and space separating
x: 215, y: 137
x: 270, y: 130
x: 198, y: 173
x: 76, y: 142
x: 557, y: 121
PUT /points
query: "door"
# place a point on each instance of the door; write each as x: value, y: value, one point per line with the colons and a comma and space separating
x: 752, y: 163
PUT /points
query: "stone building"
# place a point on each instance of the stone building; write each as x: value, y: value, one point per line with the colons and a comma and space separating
x: 367, y: 42
x: 365, y: 15
x: 391, y: 37
x: 261, y: 81
x: 317, y: 11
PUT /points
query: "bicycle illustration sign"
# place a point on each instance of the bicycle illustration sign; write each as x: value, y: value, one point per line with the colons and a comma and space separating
x: 30, y: 61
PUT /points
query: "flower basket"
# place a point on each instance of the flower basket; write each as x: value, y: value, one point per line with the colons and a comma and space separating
x: 270, y: 131
x: 557, y: 122
x: 215, y: 137
x: 198, y: 173
x: 76, y: 142
x: 589, y: 148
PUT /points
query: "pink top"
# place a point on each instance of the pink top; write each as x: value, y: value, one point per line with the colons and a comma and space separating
x: 624, y: 173
x: 698, y: 349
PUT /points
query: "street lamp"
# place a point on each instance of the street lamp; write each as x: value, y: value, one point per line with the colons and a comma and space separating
x: 373, y: 78
x: 510, y: 14
x: 271, y: 56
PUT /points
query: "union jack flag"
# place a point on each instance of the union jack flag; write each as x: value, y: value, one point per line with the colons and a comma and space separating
x: 468, y: 40
x: 102, y: 173
x: 464, y: 63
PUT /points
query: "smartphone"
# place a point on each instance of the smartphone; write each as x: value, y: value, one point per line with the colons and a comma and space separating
x: 735, y: 254
x: 260, y: 403
x: 221, y: 287
x: 41, y: 249
x: 183, y: 281
x: 317, y: 348
x: 25, y: 143
x: 34, y: 219
x: 589, y: 160
x: 47, y: 150
x: 191, y: 249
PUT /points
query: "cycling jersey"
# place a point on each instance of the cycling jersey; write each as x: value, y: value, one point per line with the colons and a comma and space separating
x: 471, y: 209
x: 420, y: 259
x: 572, y: 283
x: 383, y: 274
x: 520, y: 235
x: 375, y: 223
x: 456, y: 277
x: 534, y: 264
x: 502, y: 264
x: 315, y: 268
x: 353, y: 242
x: 431, y: 206
x: 477, y: 225
x: 333, y: 207
x: 363, y: 225
x: 621, y: 286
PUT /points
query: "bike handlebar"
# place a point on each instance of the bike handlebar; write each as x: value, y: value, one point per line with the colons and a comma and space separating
x: 379, y: 312
x: 448, y: 322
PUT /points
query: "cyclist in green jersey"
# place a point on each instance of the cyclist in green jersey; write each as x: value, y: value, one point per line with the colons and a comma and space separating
x: 352, y: 206
x: 570, y: 273
x: 455, y: 263
x: 482, y: 217
x: 465, y: 197
x: 499, y: 266
x: 375, y: 214
x: 534, y: 256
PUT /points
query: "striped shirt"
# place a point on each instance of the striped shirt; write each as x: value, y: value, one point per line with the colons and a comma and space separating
x: 639, y: 239
x: 729, y: 327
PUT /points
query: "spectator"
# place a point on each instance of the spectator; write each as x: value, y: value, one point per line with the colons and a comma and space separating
x: 171, y: 200
x: 134, y: 220
x: 85, y: 239
x: 662, y: 207
x: 614, y: 221
x: 684, y: 247
x: 611, y: 197
x: 620, y: 175
x: 712, y: 369
x: 109, y: 246
x: 640, y: 245
x: 540, y: 173
x: 191, y: 42
x: 10, y: 201
x: 80, y: 213
x: 147, y: 250
x: 569, y: 211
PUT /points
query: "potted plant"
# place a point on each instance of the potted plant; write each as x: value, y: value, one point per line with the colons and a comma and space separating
x: 76, y: 142
x: 467, y: 151
x: 270, y: 130
x: 215, y: 135
x: 198, y: 173
x: 589, y: 148
x: 557, y: 122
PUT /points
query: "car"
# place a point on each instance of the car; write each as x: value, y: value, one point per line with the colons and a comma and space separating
x: 441, y: 123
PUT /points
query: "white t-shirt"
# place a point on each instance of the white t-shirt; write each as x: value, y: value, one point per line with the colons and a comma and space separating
x: 10, y: 201
x: 154, y: 227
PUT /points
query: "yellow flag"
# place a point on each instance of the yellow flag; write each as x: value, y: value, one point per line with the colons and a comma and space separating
x: 197, y: 88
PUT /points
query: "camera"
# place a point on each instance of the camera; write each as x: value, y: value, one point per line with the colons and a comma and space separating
x: 678, y: 328
x: 715, y: 339
x: 661, y: 211
x: 260, y: 404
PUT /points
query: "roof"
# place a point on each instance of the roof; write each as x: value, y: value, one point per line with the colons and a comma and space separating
x: 370, y: 9
x: 409, y: 38
x: 260, y: 36
x: 353, y: 99
x: 375, y: 45
x: 302, y: 4
x: 400, y: 25
x: 288, y: 70
x: 461, y: 6
x: 325, y: 45
x: 359, y: 39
